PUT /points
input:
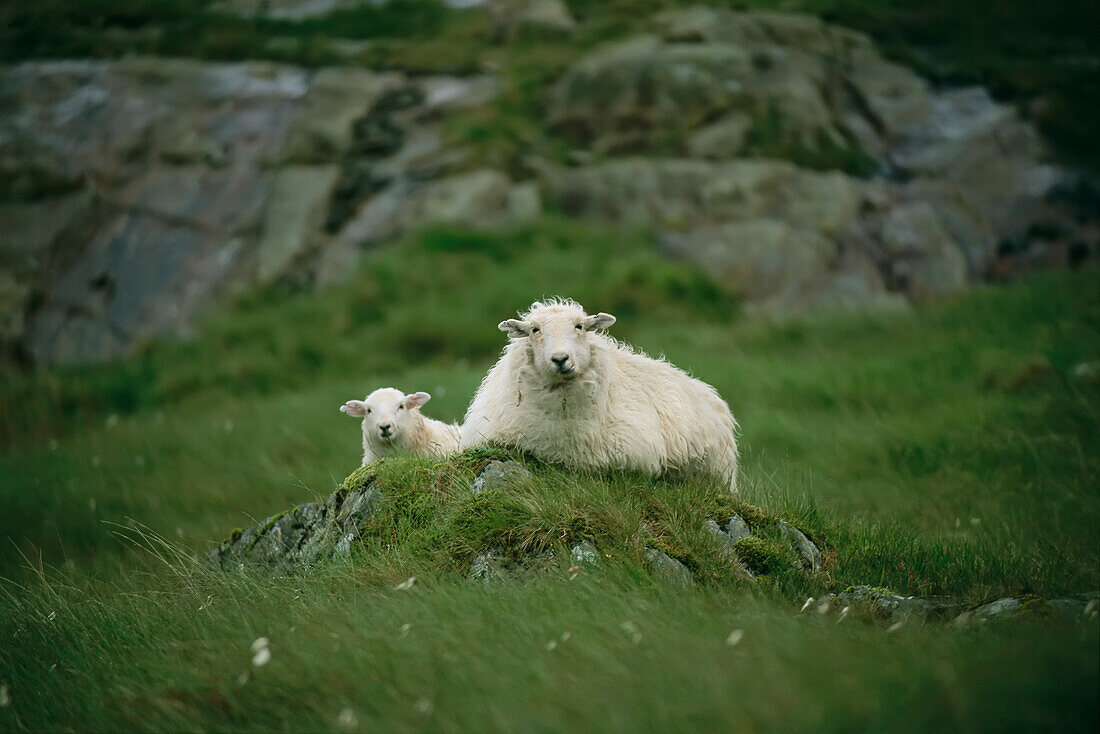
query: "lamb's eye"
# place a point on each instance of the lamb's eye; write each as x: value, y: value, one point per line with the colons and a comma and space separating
x: 534, y: 329
x: 401, y: 407
x: 368, y: 411
x: 580, y: 326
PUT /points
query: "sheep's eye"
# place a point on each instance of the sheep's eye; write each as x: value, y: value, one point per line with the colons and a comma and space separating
x: 534, y: 329
x: 580, y: 326
x: 368, y: 411
x: 401, y: 407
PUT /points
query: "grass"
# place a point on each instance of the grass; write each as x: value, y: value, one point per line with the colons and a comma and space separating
x: 949, y: 452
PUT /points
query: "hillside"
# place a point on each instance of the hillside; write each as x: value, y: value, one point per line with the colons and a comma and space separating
x: 949, y: 453
x: 871, y: 225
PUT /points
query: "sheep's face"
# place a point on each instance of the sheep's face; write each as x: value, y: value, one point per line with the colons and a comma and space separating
x: 558, y: 338
x: 387, y: 413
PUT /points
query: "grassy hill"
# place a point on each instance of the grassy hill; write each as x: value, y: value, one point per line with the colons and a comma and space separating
x: 952, y: 451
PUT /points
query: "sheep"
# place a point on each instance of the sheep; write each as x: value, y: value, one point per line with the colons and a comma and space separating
x: 567, y: 393
x: 392, y: 423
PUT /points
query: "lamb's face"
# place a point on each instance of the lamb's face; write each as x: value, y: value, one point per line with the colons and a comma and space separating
x: 387, y: 413
x: 558, y: 338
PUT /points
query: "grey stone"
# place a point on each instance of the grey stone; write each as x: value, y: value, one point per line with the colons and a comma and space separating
x: 549, y: 16
x: 499, y: 475
x: 294, y: 216
x: 585, y: 554
x: 667, y: 569
x: 809, y: 553
x: 1072, y: 610
x: 486, y: 566
x: 721, y: 139
x: 737, y: 528
x: 923, y: 257
x: 994, y: 611
x: 306, y: 534
x: 894, y: 607
x: 481, y: 198
x: 762, y: 260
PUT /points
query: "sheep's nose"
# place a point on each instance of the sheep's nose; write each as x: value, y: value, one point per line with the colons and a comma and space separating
x: 559, y: 359
x: 385, y: 428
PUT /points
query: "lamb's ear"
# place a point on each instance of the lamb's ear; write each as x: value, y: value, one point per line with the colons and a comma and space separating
x: 515, y: 328
x: 416, y: 399
x: 354, y: 407
x: 599, y: 321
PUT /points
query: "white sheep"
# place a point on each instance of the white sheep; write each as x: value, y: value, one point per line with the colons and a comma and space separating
x: 392, y: 423
x: 568, y: 394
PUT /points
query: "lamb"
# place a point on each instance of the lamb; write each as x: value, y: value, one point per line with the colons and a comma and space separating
x: 392, y: 423
x: 568, y: 393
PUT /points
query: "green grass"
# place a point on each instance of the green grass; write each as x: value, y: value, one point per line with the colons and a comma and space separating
x: 946, y: 452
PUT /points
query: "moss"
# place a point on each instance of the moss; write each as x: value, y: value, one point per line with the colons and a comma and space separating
x: 266, y: 528
x: 755, y: 517
x: 1035, y: 607
x: 477, y: 458
x: 759, y: 555
x: 235, y: 536
x: 359, y: 478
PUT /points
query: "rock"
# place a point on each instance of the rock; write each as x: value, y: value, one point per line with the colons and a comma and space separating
x: 760, y: 260
x: 895, y: 97
x: 680, y: 193
x: 807, y: 551
x: 336, y: 99
x: 798, y: 78
x: 138, y: 193
x: 486, y: 566
x: 481, y: 198
x: 1001, y: 609
x: 305, y: 535
x: 510, y: 17
x: 283, y: 9
x: 737, y: 528
x: 1071, y: 610
x: 667, y: 569
x: 585, y: 554
x: 721, y: 139
x: 923, y: 258
x: 294, y: 216
x: 893, y: 607
x: 499, y: 475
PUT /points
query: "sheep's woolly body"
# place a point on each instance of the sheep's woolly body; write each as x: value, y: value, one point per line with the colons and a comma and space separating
x: 425, y: 437
x: 625, y: 410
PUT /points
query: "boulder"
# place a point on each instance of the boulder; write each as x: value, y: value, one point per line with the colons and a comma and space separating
x: 306, y: 534
x: 806, y: 549
x: 667, y: 569
x: 760, y: 260
x: 919, y: 253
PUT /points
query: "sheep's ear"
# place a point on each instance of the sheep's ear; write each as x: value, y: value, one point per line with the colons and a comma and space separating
x: 515, y: 328
x: 354, y: 407
x: 416, y: 399
x: 599, y: 321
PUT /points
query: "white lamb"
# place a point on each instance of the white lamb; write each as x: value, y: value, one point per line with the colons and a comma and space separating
x: 392, y: 423
x: 568, y: 394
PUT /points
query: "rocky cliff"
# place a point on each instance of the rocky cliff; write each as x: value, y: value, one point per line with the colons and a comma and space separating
x: 783, y: 154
